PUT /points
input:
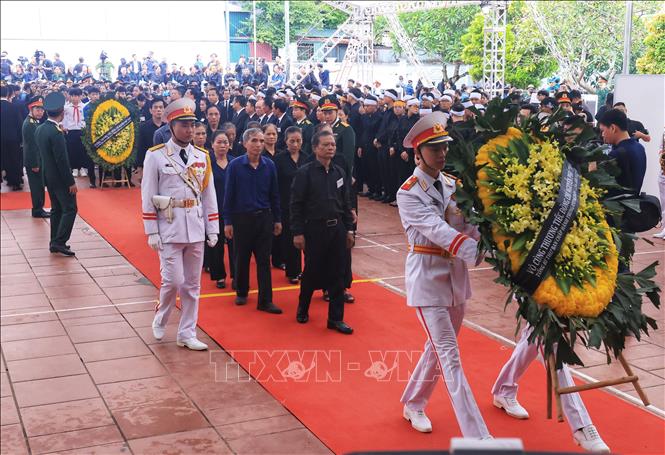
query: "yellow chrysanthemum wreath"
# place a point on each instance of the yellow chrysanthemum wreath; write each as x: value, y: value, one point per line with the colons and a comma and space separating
x: 119, y: 149
x: 518, y: 185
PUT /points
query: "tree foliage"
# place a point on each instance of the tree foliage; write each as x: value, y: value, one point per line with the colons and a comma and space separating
x: 527, y: 58
x: 438, y: 32
x: 653, y: 60
x: 589, y: 36
x: 304, y: 16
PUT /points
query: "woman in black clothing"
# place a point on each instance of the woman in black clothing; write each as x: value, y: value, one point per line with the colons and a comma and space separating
x: 287, y: 163
x: 270, y: 151
x: 220, y: 160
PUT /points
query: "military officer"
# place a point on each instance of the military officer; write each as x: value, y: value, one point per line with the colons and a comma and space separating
x: 345, y: 138
x: 299, y: 109
x: 441, y: 246
x: 505, y: 388
x: 50, y: 140
x: 31, y: 159
x: 179, y: 208
x: 345, y: 141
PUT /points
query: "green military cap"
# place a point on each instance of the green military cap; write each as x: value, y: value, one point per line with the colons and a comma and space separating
x: 36, y: 101
x: 54, y: 101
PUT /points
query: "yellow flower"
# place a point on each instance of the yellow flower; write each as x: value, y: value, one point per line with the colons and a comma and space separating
x: 528, y: 189
x: 108, y: 114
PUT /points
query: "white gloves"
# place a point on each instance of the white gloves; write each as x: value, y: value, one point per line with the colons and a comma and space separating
x: 212, y: 240
x: 155, y: 242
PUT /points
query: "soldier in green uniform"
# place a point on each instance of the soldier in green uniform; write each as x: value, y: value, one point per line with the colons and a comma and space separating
x: 31, y: 158
x: 61, y: 186
x: 345, y: 141
x: 345, y: 138
x: 299, y: 110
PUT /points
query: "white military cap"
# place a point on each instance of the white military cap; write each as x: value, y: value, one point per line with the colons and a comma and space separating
x: 431, y: 129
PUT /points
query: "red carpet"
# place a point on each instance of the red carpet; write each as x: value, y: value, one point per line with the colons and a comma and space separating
x: 338, y: 399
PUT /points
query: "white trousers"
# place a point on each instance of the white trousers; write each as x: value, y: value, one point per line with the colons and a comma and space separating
x: 180, y: 266
x: 442, y: 324
x: 525, y: 353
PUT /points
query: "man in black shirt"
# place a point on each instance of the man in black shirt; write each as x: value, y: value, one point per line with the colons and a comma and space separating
x: 147, y: 129
x: 636, y: 129
x: 11, y: 123
x: 322, y: 226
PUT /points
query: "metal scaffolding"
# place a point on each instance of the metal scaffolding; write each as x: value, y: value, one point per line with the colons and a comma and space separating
x: 494, y: 47
x: 358, y: 32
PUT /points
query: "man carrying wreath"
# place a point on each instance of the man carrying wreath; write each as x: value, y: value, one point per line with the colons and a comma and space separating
x: 441, y: 246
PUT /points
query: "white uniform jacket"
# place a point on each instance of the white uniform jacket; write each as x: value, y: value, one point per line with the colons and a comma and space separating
x: 432, y: 222
x: 160, y: 177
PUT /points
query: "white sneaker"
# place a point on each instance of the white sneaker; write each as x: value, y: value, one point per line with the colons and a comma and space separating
x: 589, y: 439
x: 84, y: 172
x: 157, y: 331
x: 419, y: 421
x: 660, y: 235
x: 512, y: 407
x: 193, y: 344
x: 75, y: 173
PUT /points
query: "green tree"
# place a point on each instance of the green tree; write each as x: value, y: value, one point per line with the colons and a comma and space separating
x: 589, y: 36
x: 438, y: 33
x: 527, y: 58
x: 304, y: 16
x: 653, y: 60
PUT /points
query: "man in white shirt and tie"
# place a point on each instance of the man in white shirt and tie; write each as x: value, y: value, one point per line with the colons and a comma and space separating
x: 73, y: 123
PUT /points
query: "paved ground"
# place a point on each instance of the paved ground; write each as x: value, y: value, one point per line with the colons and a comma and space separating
x: 80, y: 368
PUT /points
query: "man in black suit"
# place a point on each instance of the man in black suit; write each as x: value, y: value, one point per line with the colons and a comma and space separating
x: 279, y: 109
x: 250, y: 108
x: 11, y: 124
x: 226, y: 106
x: 240, y: 115
x: 268, y: 116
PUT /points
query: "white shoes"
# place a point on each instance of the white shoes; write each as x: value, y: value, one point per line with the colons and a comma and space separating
x: 589, y: 439
x: 84, y: 172
x: 75, y: 173
x: 660, y: 235
x: 419, y: 421
x: 193, y: 344
x: 157, y: 331
x: 512, y: 407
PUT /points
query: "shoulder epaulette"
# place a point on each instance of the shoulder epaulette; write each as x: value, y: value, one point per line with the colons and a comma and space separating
x: 307, y: 122
x: 409, y: 183
x: 156, y: 147
x: 344, y: 123
x: 451, y: 179
x: 200, y: 148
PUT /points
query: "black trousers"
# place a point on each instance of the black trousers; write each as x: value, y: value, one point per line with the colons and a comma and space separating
x: 370, y: 163
x: 291, y: 254
x: 252, y: 234
x: 325, y: 256
x: 12, y: 162
x: 215, y: 256
x: 393, y: 175
x: 37, y: 194
x: 78, y: 156
x: 63, y: 214
x: 405, y: 169
x: 384, y: 170
x: 359, y: 173
x: 276, y: 253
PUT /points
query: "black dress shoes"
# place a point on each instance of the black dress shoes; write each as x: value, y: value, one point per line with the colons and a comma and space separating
x: 302, y: 318
x: 221, y: 284
x: 340, y: 326
x: 270, y: 308
x: 241, y: 300
x: 348, y: 298
x: 42, y: 214
x: 64, y: 250
x: 326, y: 296
x: 294, y: 280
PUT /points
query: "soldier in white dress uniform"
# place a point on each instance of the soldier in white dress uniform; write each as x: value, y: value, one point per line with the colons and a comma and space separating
x: 179, y: 209
x: 505, y: 395
x: 441, y: 246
